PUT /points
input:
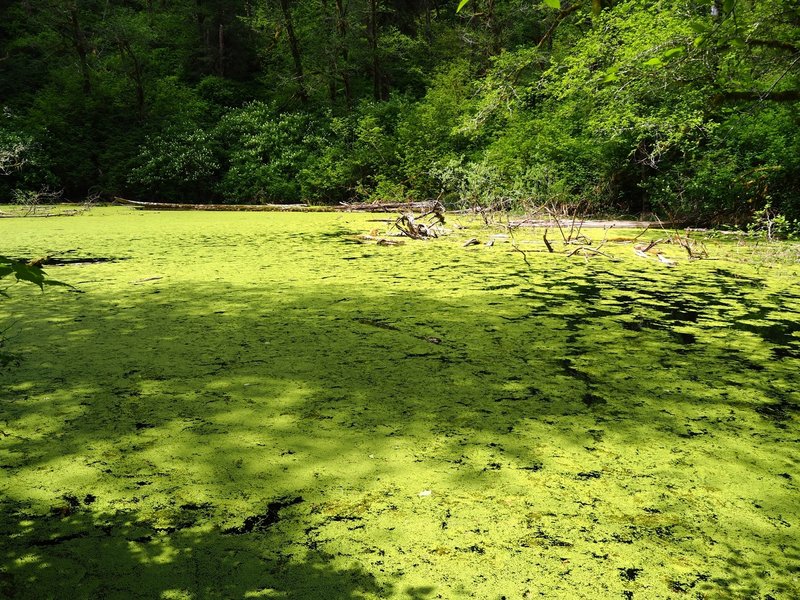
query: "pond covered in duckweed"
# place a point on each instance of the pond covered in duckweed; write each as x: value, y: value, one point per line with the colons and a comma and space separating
x: 255, y: 405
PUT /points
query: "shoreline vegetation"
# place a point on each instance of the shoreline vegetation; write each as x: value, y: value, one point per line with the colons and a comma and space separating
x: 687, y: 109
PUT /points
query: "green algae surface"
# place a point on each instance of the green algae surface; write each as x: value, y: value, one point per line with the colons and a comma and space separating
x: 255, y: 405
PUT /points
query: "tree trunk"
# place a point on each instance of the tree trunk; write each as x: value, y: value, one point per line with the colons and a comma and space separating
x: 342, y: 27
x: 136, y: 73
x: 221, y: 51
x: 428, y: 32
x: 372, y: 38
x: 294, y: 46
x: 494, y: 29
x: 81, y: 47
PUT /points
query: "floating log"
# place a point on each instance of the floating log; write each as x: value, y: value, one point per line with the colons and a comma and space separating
x: 387, y: 206
x: 343, y: 207
x: 224, y: 207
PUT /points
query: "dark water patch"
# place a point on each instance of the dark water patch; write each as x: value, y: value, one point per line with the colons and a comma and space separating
x: 629, y: 573
x: 542, y: 538
x: 474, y: 548
x: 692, y: 433
x: 535, y: 467
x: 683, y: 587
x: 357, y: 257
x: 344, y: 518
x: 262, y: 522
x: 204, y: 506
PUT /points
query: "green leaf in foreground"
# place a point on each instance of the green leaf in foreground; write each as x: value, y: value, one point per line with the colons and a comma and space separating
x: 553, y: 4
x: 30, y: 271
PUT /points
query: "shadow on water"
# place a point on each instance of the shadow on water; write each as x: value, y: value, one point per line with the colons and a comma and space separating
x: 72, y: 553
x: 202, y: 456
x: 683, y: 306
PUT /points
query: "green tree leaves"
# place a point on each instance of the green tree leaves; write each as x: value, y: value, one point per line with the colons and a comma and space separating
x: 25, y: 271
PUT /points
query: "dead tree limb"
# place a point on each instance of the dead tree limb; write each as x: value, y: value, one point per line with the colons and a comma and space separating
x: 524, y: 255
x: 546, y: 243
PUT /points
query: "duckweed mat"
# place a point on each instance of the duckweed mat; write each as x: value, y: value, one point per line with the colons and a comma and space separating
x: 250, y: 405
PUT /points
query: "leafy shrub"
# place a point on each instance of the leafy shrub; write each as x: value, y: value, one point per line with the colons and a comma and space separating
x: 748, y: 163
x: 177, y: 164
x: 266, y: 152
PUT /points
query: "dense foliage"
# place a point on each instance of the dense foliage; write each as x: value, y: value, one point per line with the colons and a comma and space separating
x: 682, y: 107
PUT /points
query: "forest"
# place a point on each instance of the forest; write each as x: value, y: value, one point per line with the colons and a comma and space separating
x: 687, y: 109
x: 568, y: 369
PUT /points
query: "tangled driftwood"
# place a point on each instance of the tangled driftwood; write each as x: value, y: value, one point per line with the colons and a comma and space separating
x: 426, y: 226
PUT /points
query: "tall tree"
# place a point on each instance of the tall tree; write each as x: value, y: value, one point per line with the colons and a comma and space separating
x: 372, y: 32
x: 294, y: 46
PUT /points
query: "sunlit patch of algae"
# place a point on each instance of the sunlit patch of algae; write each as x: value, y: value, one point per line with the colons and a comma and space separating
x: 254, y: 405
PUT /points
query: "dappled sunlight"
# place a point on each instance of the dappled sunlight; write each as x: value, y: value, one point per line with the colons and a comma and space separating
x: 590, y: 426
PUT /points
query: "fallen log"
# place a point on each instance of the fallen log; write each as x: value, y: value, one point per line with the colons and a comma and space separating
x: 224, y: 207
x: 342, y: 207
x: 410, y: 226
x: 387, y: 206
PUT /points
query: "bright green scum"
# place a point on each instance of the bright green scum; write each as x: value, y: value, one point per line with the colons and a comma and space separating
x: 254, y: 406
